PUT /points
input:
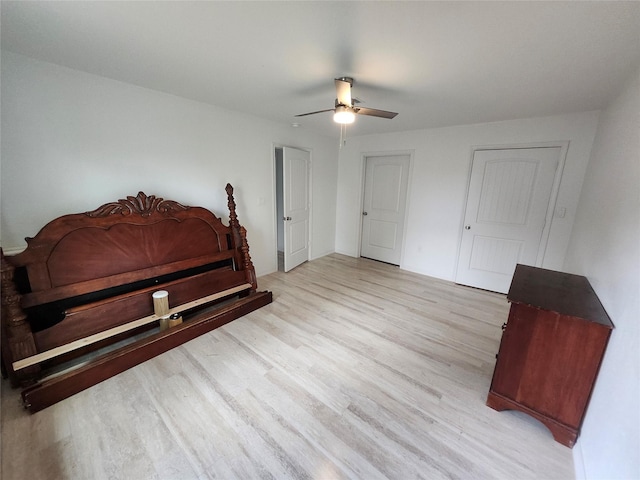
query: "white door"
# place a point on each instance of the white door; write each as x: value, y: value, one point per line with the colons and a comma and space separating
x: 385, y: 195
x: 295, y: 176
x: 507, y: 208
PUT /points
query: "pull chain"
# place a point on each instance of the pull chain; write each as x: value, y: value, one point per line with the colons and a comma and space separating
x: 343, y: 134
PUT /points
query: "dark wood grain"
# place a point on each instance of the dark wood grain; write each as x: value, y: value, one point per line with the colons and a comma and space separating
x: 89, y: 253
x: 564, y: 293
x: 111, y: 281
x: 111, y: 312
x: 549, y: 354
x: 16, y: 338
x: 86, y: 273
x: 48, y: 392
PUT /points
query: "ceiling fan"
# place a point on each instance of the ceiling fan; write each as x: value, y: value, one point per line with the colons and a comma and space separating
x: 345, y: 111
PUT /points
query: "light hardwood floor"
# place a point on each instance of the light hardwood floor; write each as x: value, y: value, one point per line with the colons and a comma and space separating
x: 357, y: 370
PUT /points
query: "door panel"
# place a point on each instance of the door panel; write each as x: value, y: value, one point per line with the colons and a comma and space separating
x: 382, y: 234
x: 385, y: 194
x: 507, y: 206
x: 506, y: 191
x: 496, y: 255
x: 296, y: 206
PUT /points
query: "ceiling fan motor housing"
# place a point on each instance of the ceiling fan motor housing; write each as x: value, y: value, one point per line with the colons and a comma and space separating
x: 344, y: 111
x: 349, y: 80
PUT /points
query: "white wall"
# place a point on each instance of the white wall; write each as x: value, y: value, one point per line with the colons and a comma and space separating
x: 605, y: 247
x: 72, y: 141
x: 437, y: 190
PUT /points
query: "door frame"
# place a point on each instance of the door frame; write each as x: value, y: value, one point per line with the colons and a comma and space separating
x: 274, y: 173
x: 553, y: 197
x: 363, y: 174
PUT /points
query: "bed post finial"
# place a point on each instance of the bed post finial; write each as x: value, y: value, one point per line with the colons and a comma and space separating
x: 239, y: 235
x: 16, y: 331
x: 231, y: 203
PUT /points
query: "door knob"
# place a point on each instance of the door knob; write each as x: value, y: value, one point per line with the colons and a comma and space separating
x: 467, y: 227
x: 365, y: 213
x: 286, y: 218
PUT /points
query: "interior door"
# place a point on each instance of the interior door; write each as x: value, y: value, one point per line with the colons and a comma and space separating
x: 295, y: 176
x: 385, y: 195
x: 507, y: 207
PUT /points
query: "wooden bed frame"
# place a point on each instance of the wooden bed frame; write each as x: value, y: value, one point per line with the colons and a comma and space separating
x: 85, y: 282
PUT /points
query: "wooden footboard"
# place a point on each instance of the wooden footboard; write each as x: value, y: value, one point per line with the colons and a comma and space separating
x: 50, y: 391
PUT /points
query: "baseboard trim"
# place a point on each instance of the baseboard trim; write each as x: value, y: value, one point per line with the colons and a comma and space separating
x: 578, y: 461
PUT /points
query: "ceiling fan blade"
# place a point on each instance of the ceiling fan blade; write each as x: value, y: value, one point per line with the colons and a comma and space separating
x: 373, y: 112
x: 313, y: 113
x: 343, y: 92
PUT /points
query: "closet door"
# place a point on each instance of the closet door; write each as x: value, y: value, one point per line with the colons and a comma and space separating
x: 507, y: 206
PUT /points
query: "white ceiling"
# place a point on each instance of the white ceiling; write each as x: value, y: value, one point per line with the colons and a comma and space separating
x: 436, y: 63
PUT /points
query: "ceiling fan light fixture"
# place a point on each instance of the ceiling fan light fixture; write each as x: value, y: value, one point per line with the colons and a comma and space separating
x: 344, y: 115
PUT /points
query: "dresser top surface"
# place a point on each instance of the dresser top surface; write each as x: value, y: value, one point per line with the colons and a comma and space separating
x: 564, y: 293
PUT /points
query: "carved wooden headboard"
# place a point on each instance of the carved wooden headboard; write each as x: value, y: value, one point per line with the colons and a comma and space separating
x: 88, y: 279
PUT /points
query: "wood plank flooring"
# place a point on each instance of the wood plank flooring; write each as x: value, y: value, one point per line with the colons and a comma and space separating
x: 358, y: 370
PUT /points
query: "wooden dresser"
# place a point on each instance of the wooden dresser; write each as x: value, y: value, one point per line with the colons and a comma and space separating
x: 551, y: 350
